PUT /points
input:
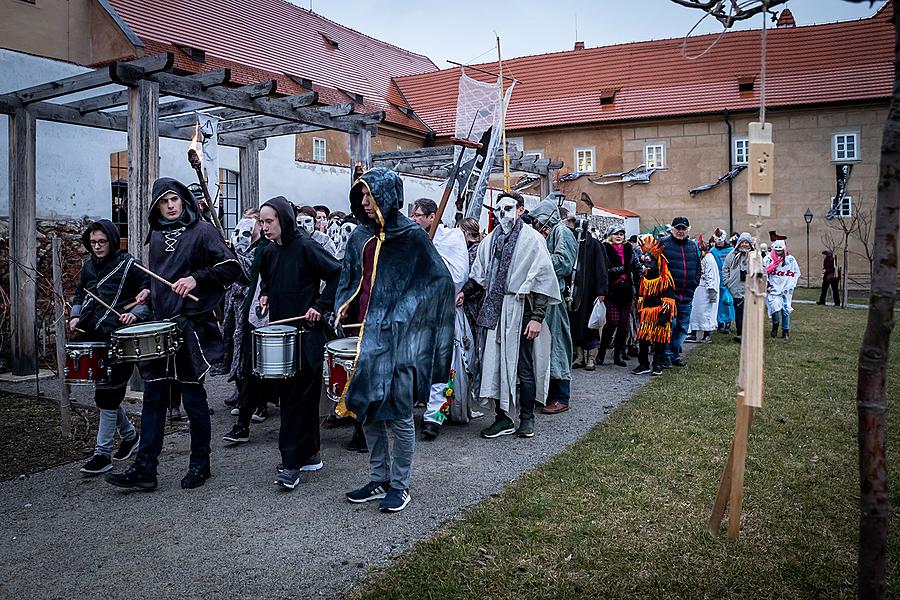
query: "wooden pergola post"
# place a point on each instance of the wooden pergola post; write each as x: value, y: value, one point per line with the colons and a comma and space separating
x: 248, y: 158
x: 360, y: 150
x: 22, y: 241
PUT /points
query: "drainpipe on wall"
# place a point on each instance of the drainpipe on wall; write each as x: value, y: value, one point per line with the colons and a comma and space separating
x: 727, y: 169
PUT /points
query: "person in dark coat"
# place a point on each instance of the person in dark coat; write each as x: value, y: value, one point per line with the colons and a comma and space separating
x: 191, y: 254
x: 623, y: 275
x: 290, y: 274
x: 110, y: 274
x: 394, y: 282
x: 831, y: 276
x: 683, y: 256
x: 590, y: 283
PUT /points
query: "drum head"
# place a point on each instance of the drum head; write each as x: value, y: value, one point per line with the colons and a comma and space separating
x: 75, y: 345
x: 145, y: 328
x: 276, y: 330
x: 343, y: 346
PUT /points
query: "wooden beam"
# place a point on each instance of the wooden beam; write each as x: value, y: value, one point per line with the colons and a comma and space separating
x: 100, y: 102
x: 402, y: 154
x: 336, y: 110
x: 22, y: 242
x: 178, y: 107
x: 360, y: 152
x: 209, y: 79
x: 286, y: 129
x: 143, y: 162
x: 248, y: 157
x: 253, y: 122
x: 224, y: 114
x: 261, y: 89
x: 9, y: 104
x: 372, y: 118
x: 295, y: 101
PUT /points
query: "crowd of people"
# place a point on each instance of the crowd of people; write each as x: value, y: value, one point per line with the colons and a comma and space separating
x: 447, y: 318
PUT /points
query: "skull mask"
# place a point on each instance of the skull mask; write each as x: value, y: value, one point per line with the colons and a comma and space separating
x: 306, y: 222
x: 334, y: 231
x: 507, y: 213
x: 346, y: 229
x: 243, y: 232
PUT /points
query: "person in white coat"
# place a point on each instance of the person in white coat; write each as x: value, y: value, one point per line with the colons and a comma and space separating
x: 783, y: 274
x: 704, y: 310
x: 449, y: 400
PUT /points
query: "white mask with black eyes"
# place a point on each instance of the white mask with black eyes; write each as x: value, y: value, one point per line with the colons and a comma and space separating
x: 507, y: 214
x: 243, y: 232
x: 334, y: 231
x: 306, y: 222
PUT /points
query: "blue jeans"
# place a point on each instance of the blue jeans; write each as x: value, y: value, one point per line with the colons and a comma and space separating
x: 153, y: 423
x: 559, y: 391
x: 679, y: 329
x: 385, y: 464
x: 784, y: 317
x: 110, y: 422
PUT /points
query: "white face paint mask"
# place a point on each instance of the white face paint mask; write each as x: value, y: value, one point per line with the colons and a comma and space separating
x: 334, y: 231
x: 507, y: 214
x: 240, y: 237
x: 306, y: 222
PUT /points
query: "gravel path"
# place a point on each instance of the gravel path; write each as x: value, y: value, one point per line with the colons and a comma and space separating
x: 65, y: 536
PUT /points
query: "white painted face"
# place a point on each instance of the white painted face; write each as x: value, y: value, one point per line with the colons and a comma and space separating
x: 240, y: 237
x: 507, y: 214
x: 306, y: 222
x: 334, y: 231
x: 343, y: 236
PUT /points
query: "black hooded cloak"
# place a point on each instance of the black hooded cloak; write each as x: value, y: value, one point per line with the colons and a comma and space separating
x: 406, y: 342
x: 113, y: 278
x: 187, y: 247
x: 290, y: 274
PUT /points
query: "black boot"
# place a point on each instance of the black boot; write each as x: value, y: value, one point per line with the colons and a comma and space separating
x: 196, y: 476
x: 619, y: 357
x: 134, y: 478
x: 601, y: 354
x: 774, y: 332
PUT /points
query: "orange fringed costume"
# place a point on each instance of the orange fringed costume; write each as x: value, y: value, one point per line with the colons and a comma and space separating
x: 656, y: 305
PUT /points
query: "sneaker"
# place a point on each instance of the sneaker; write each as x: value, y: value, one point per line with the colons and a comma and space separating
x: 237, y: 435
x: 235, y: 412
x: 785, y: 334
x: 774, y: 332
x: 126, y: 448
x: 430, y: 430
x: 288, y: 478
x: 692, y: 338
x: 526, y: 428
x: 358, y: 444
x: 641, y: 370
x: 196, y: 476
x: 313, y: 463
x: 657, y: 370
x: 677, y: 362
x: 738, y: 339
x: 134, y: 478
x: 395, y: 500
x: 502, y: 426
x: 260, y: 415
x: 96, y: 465
x: 374, y: 490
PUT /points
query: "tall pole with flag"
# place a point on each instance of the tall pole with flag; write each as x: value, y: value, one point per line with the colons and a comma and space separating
x: 506, y: 185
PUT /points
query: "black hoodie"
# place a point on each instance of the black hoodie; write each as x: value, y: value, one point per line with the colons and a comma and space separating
x: 113, y: 278
x: 187, y: 246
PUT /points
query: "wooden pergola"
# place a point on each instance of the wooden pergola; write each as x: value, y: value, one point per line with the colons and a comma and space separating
x: 437, y: 162
x: 147, y: 99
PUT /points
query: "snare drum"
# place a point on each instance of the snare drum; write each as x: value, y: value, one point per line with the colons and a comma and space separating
x: 145, y: 341
x: 275, y: 351
x: 340, y: 356
x: 86, y: 363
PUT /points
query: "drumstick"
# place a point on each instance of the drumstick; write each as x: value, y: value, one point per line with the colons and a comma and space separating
x: 282, y: 321
x: 115, y: 312
x: 352, y: 325
x: 158, y: 278
x: 130, y: 305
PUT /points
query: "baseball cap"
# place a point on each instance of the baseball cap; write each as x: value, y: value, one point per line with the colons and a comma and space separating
x: 681, y: 222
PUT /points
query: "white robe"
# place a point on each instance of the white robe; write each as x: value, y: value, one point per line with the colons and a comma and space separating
x: 704, y: 313
x: 781, y: 285
x: 451, y: 245
x: 531, y: 272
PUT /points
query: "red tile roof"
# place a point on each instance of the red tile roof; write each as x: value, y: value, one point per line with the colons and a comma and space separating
x: 270, y: 39
x: 814, y: 64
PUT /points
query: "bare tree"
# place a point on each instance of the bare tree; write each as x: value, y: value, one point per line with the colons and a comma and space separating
x: 844, y: 227
x: 875, y: 350
x: 864, y: 234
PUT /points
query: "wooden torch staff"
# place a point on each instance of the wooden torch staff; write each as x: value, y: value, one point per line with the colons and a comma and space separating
x: 165, y: 281
x: 448, y: 189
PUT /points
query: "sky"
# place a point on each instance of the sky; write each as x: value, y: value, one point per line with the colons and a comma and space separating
x: 463, y: 30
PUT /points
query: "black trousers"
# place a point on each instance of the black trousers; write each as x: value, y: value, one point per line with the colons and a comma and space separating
x: 254, y: 393
x: 298, y: 439
x: 739, y: 315
x: 833, y: 284
x: 527, y: 384
x: 110, y: 396
x: 659, y: 353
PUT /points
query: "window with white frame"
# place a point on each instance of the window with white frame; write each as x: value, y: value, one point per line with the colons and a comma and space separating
x: 319, y: 149
x: 740, y: 154
x: 845, y: 146
x: 846, y: 208
x: 655, y: 156
x: 584, y: 160
x: 229, y: 198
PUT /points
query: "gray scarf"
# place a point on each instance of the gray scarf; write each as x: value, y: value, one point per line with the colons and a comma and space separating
x: 502, y: 247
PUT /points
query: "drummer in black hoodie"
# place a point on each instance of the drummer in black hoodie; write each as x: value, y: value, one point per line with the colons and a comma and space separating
x: 190, y: 253
x: 290, y: 272
x: 110, y: 275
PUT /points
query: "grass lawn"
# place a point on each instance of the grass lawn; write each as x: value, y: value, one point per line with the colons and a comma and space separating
x: 623, y: 512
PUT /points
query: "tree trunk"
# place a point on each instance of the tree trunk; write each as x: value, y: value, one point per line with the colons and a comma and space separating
x: 874, y: 353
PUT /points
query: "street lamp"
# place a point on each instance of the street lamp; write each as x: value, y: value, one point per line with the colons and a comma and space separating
x: 807, y: 216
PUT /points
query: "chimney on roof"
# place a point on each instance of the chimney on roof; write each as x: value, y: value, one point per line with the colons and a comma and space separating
x: 786, y: 19
x: 579, y: 45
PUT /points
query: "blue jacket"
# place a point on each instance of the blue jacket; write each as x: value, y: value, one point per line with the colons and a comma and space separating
x: 684, y: 264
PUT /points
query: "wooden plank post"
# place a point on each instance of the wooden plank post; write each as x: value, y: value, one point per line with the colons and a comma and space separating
x: 143, y: 170
x: 59, y: 328
x: 360, y: 151
x: 22, y: 241
x: 248, y: 157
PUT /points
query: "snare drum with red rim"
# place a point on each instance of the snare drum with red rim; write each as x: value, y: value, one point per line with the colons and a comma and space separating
x: 340, y: 356
x: 86, y: 363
